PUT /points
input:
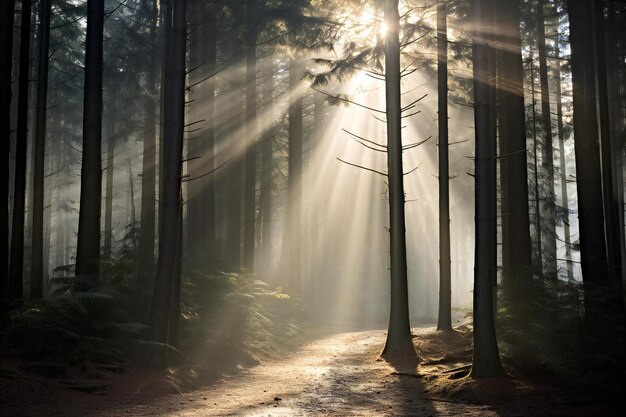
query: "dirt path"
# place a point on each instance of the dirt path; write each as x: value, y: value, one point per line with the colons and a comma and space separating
x: 338, y: 375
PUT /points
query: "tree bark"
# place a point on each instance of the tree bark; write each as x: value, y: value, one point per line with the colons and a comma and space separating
x: 515, y: 219
x: 173, y: 129
x: 399, y: 343
x: 108, y: 198
x: 37, y: 267
x: 16, y: 267
x: 88, y: 245
x: 486, y: 359
x: 593, y: 248
x: 266, y: 175
x: 609, y: 192
x: 148, y: 176
x: 294, y: 183
x: 7, y: 10
x: 251, y: 135
x: 131, y: 190
x: 445, y: 303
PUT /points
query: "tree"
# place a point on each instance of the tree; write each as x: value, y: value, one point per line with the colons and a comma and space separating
x: 88, y: 245
x: 251, y: 133
x: 7, y: 9
x: 399, y: 343
x: 166, y: 284
x: 265, y: 198
x: 108, y: 198
x: 445, y: 317
x: 516, y: 243
x: 614, y: 234
x: 293, y: 220
x: 593, y: 244
x: 37, y: 257
x: 19, y: 195
x: 486, y: 359
x: 148, y: 174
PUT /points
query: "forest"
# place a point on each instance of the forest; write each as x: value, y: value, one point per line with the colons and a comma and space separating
x: 312, y: 207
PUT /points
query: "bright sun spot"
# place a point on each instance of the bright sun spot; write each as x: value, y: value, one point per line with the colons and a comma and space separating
x: 382, y: 30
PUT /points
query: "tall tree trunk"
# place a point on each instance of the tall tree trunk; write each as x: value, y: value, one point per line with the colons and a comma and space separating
x: 148, y: 176
x: 19, y: 193
x: 593, y: 248
x: 548, y: 207
x: 88, y: 245
x: 233, y: 226
x: 486, y: 359
x: 251, y: 136
x: 445, y: 307
x: 516, y: 243
x: 616, y: 102
x: 7, y: 10
x: 399, y: 344
x: 609, y: 191
x: 173, y: 130
x: 131, y: 190
x: 37, y: 267
x: 563, y: 168
x: 108, y: 198
x: 294, y: 183
x: 266, y: 174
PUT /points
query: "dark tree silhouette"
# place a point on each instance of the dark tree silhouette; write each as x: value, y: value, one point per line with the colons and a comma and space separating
x: 486, y: 359
x: 88, y: 245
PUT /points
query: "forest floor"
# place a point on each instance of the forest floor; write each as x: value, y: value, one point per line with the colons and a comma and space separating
x: 338, y: 375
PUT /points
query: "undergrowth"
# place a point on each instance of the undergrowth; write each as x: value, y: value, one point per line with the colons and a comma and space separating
x: 236, y: 317
x: 226, y: 318
x: 544, y: 333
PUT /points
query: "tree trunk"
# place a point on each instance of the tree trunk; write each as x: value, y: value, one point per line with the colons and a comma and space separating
x: 609, y: 191
x: 293, y: 221
x: 616, y: 102
x: 266, y: 175
x: 7, y: 10
x: 593, y: 248
x: 173, y: 130
x: 516, y: 243
x: 445, y: 308
x: 131, y: 190
x: 37, y: 267
x: 251, y: 135
x: 108, y: 198
x: 88, y: 245
x: 19, y: 193
x: 486, y: 359
x: 148, y: 176
x: 548, y: 210
x: 399, y: 343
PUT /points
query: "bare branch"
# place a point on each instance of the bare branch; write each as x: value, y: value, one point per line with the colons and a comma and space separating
x: 362, y: 167
x: 414, y: 169
x: 363, y: 139
x: 207, y: 173
x: 414, y: 145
